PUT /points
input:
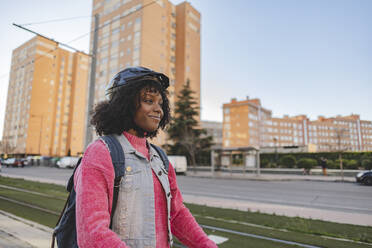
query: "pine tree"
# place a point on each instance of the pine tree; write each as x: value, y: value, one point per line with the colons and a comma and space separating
x: 188, y: 139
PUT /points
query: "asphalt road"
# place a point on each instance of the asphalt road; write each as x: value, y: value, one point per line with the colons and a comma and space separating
x: 334, y: 196
x: 344, y: 197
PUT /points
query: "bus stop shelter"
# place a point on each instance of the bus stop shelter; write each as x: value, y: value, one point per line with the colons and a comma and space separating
x: 248, y: 159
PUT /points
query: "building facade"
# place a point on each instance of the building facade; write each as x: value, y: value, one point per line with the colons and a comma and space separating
x: 214, y: 129
x: 243, y: 123
x: 153, y: 34
x: 247, y: 123
x: 46, y: 100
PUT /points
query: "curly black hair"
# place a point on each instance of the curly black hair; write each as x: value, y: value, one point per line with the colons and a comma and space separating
x: 116, y: 115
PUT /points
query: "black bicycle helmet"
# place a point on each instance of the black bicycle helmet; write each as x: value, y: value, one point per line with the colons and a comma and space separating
x: 135, y: 74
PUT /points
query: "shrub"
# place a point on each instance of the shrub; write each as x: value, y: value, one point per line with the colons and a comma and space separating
x: 351, y: 164
x: 264, y: 163
x: 367, y: 164
x: 288, y: 161
x: 307, y: 163
x: 333, y: 164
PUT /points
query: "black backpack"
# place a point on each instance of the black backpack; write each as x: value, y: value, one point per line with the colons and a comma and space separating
x: 65, y: 230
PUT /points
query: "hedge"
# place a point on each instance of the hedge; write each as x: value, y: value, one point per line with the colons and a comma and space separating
x: 351, y: 160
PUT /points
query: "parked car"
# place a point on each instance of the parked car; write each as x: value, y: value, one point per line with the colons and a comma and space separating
x: 24, y: 161
x: 15, y: 162
x: 364, y: 177
x: 179, y: 163
x: 67, y: 162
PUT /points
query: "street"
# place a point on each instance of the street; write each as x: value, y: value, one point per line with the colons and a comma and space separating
x: 346, y: 197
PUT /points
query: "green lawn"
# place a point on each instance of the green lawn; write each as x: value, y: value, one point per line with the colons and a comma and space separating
x: 313, y: 232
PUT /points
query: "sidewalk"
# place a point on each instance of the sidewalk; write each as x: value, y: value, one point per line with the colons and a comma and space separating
x: 268, y: 176
x: 21, y: 233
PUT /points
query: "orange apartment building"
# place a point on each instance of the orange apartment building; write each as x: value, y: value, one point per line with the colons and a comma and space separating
x: 45, y: 111
x: 246, y: 123
x: 243, y: 123
x: 154, y: 34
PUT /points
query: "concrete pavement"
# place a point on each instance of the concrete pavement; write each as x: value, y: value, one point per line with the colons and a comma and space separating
x: 17, y: 232
x: 21, y: 233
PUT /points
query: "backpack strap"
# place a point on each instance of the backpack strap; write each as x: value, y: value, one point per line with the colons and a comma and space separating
x: 70, y: 184
x: 162, y: 155
x: 118, y: 161
x: 69, y: 187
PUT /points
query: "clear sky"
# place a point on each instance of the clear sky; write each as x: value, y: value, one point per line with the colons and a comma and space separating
x: 310, y: 57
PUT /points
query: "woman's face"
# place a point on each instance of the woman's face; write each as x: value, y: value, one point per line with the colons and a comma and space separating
x: 150, y: 112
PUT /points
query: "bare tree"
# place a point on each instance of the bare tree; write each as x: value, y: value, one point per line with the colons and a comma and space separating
x: 340, y: 135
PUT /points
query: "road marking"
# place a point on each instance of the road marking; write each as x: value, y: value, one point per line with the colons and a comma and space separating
x: 217, y: 239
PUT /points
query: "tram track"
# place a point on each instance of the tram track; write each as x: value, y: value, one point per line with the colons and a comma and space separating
x: 213, y: 228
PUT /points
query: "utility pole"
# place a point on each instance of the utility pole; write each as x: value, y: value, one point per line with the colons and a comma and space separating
x: 92, y: 83
x: 340, y: 135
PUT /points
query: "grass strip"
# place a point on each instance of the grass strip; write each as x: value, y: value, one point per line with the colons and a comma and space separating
x: 32, y: 214
x: 288, y: 236
x: 295, y: 224
x: 52, y: 204
x: 55, y: 190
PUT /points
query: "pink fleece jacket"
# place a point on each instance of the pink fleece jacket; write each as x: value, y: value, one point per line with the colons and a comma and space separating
x: 94, y: 190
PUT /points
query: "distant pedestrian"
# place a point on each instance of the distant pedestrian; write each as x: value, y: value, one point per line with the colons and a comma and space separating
x: 306, y: 171
x: 136, y: 108
x: 323, y: 163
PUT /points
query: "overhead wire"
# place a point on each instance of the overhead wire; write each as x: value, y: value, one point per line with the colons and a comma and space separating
x: 81, y: 36
x: 55, y: 20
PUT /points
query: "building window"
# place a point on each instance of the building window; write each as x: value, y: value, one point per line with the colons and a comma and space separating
x: 115, y: 31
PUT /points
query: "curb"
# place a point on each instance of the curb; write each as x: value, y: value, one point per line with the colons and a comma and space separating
x: 276, y: 177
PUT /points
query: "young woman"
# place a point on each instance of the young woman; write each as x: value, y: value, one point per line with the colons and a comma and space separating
x: 150, y: 207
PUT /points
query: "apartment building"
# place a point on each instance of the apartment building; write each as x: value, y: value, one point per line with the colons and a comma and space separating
x: 246, y: 123
x: 46, y: 100
x: 341, y: 133
x: 153, y: 34
x: 243, y: 123
x: 286, y: 131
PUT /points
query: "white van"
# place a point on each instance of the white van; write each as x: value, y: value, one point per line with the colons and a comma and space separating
x: 67, y: 162
x: 179, y: 163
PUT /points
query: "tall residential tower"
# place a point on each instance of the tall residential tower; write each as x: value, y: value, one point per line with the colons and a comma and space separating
x: 46, y: 101
x: 153, y: 34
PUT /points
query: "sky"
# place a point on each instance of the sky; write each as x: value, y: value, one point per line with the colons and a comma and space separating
x: 311, y: 57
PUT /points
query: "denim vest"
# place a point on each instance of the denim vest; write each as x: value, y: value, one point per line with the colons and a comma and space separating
x: 134, y: 218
